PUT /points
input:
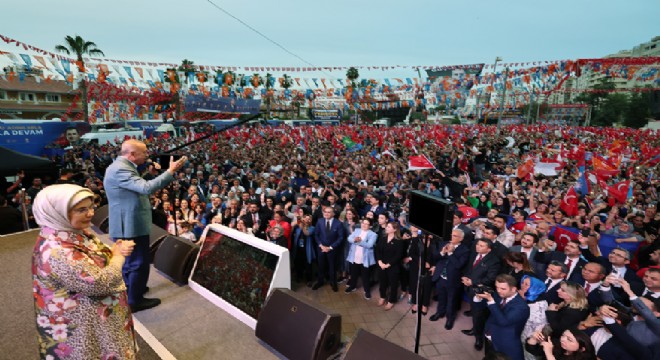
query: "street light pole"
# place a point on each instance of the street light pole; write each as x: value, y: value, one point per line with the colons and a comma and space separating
x: 503, y: 100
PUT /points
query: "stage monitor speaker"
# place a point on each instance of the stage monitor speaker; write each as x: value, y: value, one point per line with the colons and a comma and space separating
x: 175, y: 258
x: 156, y: 236
x: 431, y: 214
x: 100, y: 218
x: 297, y: 328
x: 366, y: 345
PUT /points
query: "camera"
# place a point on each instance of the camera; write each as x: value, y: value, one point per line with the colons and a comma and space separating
x: 482, y: 289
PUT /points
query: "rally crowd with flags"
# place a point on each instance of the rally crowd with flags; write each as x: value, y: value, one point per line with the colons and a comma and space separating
x: 567, y: 217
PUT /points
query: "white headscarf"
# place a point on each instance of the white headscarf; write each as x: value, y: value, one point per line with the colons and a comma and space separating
x: 52, y: 204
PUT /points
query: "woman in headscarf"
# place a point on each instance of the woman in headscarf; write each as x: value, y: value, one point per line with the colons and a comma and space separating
x: 81, y: 306
x: 532, y: 290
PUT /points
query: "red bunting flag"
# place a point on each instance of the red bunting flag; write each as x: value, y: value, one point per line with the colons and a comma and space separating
x: 570, y: 203
x: 419, y: 162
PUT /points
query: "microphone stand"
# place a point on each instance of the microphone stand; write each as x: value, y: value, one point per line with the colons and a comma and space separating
x: 422, y: 274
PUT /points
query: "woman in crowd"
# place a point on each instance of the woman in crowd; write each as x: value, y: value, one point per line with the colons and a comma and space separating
x: 351, y: 223
x: 81, y: 305
x: 573, y: 308
x: 285, y: 227
x: 572, y: 344
x: 415, y: 250
x: 240, y: 226
x: 303, y: 249
x: 361, y: 257
x: 389, y: 253
x: 518, y: 265
x: 532, y: 290
x: 276, y: 236
x: 200, y: 220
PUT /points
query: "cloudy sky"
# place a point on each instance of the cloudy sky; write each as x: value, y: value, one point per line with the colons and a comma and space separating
x: 337, y: 32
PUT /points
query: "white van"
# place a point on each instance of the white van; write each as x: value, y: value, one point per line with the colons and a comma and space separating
x: 113, y: 136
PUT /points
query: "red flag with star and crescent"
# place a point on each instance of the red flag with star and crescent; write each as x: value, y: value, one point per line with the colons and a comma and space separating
x: 570, y: 203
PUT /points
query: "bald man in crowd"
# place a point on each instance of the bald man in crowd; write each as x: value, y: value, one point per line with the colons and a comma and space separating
x: 130, y: 214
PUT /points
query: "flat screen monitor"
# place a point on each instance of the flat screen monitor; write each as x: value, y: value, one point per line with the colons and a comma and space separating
x: 431, y: 214
x: 237, y: 271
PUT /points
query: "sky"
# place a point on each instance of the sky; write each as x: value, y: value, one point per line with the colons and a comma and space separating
x: 337, y: 32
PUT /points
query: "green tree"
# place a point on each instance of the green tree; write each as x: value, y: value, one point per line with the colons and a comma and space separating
x: 352, y: 74
x: 79, y: 47
x: 269, y: 81
x: 611, y: 109
x: 287, y: 82
x: 638, y: 111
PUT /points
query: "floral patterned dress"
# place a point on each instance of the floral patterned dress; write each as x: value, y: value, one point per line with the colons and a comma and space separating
x: 80, y: 299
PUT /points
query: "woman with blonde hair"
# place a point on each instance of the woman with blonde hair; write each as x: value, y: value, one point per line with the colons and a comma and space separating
x: 568, y: 313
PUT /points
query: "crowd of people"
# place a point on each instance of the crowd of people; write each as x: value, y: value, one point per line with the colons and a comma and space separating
x: 534, y: 291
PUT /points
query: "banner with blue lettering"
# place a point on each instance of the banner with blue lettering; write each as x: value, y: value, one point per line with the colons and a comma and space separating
x: 219, y: 105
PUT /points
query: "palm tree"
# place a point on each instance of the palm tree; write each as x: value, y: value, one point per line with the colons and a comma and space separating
x: 286, y: 82
x: 79, y: 47
x: 268, y: 84
x: 352, y: 74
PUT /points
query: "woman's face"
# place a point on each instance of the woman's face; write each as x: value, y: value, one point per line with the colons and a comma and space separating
x: 382, y: 219
x: 563, y: 294
x: 483, y: 198
x: 500, y: 201
x: 569, y: 342
x: 80, y: 216
x: 365, y: 225
x: 184, y: 204
x: 389, y: 229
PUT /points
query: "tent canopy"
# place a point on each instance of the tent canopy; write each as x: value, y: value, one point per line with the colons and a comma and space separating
x: 13, y: 161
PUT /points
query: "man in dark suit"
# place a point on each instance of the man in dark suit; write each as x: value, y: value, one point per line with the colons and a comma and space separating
x: 555, y: 273
x: 593, y: 274
x: 457, y: 221
x: 130, y: 215
x: 255, y: 220
x: 570, y: 257
x: 528, y: 247
x: 373, y: 205
x: 329, y: 234
x: 508, y: 315
x: 447, y: 276
x: 616, y: 263
x: 481, y: 270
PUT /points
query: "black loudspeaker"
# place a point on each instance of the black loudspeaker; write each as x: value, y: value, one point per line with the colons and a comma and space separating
x: 156, y: 237
x: 431, y: 214
x: 298, y: 329
x: 175, y: 258
x: 366, y: 345
x: 100, y: 218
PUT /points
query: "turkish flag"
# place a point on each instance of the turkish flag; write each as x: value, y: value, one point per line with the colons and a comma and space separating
x: 570, y: 203
x: 563, y: 235
x: 525, y: 169
x: 419, y: 162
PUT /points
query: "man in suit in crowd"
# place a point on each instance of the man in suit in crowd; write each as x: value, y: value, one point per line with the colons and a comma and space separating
x: 256, y: 220
x: 616, y: 263
x: 527, y: 246
x: 447, y: 276
x: 555, y: 273
x: 481, y: 270
x: 329, y: 234
x: 508, y: 315
x: 457, y: 222
x: 373, y: 205
x: 130, y: 214
x: 570, y: 256
x: 593, y: 274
